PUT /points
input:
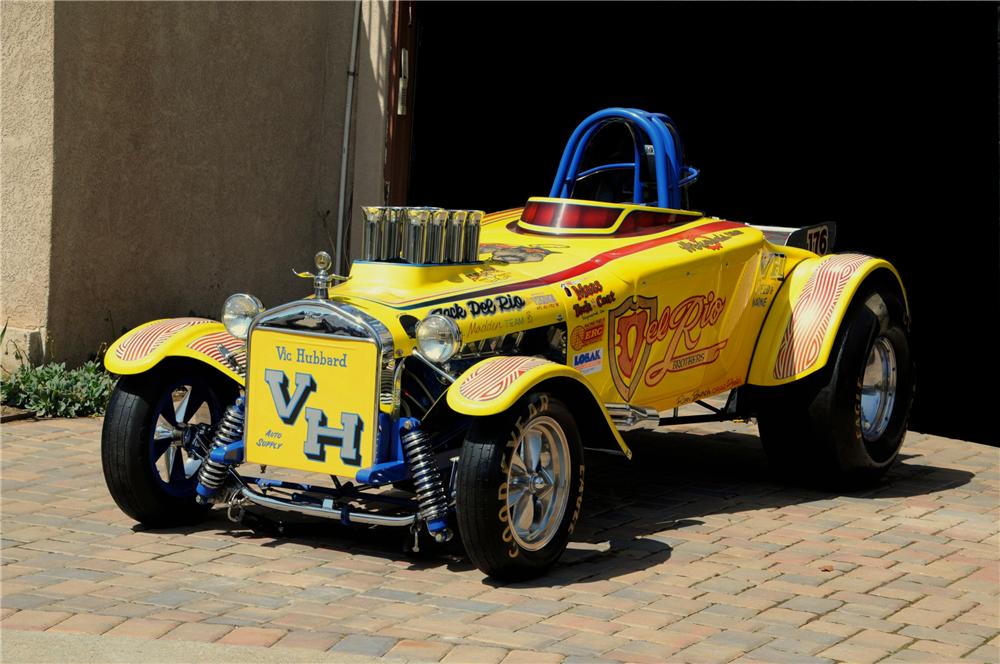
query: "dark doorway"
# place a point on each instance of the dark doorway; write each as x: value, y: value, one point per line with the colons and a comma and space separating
x: 882, y: 117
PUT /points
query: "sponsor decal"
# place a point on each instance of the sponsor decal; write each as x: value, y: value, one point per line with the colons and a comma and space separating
x: 486, y: 275
x: 772, y: 271
x: 583, y: 291
x: 713, y: 241
x: 589, y: 362
x: 691, y: 397
x: 511, y: 253
x: 584, y: 335
x: 489, y: 306
x: 455, y: 311
x: 302, y: 356
x: 484, y: 325
x: 544, y: 300
x: 591, y: 307
x: 494, y: 305
x: 636, y: 328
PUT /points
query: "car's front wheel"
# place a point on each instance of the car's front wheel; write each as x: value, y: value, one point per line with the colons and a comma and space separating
x: 148, y: 470
x: 519, y: 487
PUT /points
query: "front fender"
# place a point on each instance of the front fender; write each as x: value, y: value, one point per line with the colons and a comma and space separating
x: 798, y: 334
x: 495, y: 384
x: 142, y: 348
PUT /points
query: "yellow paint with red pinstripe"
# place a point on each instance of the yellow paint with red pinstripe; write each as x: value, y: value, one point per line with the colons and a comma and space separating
x: 798, y: 335
x: 142, y: 348
x: 495, y: 384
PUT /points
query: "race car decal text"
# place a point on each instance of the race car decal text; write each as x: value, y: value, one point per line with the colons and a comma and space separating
x: 713, y: 241
x: 635, y: 329
x: 589, y: 362
x: 588, y: 307
x: 318, y: 433
x: 584, y: 335
x: 489, y: 306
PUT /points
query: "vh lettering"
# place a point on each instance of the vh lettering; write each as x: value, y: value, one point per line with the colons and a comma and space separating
x: 319, y: 435
x: 318, y: 432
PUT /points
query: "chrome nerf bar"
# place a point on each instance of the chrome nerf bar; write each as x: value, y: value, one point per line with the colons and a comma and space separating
x: 325, y: 511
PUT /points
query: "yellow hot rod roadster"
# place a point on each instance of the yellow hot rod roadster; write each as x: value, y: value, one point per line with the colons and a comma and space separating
x: 454, y: 380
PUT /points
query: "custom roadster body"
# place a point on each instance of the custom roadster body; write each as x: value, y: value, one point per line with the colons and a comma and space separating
x: 461, y: 372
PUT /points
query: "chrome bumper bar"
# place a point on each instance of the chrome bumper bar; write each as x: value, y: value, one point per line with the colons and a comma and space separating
x: 326, y: 511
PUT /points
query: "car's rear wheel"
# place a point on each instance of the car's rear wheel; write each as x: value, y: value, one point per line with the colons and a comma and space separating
x: 845, y: 424
x: 149, y: 471
x: 519, y: 487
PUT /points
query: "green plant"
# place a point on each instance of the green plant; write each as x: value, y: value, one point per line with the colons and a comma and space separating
x: 52, y: 390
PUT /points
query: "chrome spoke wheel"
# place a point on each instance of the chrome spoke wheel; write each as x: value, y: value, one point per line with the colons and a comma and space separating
x: 878, y: 390
x: 538, y: 483
x: 174, y: 467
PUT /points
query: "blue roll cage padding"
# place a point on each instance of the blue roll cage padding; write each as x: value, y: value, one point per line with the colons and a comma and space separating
x: 668, y: 153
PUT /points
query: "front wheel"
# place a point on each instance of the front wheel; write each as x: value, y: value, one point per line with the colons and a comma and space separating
x: 150, y: 471
x: 519, y: 487
x: 845, y: 424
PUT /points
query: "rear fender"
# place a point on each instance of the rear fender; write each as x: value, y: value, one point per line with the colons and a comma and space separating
x: 142, y: 348
x: 495, y: 384
x: 798, y: 334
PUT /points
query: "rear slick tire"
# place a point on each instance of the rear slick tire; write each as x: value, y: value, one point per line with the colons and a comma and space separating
x: 843, y: 426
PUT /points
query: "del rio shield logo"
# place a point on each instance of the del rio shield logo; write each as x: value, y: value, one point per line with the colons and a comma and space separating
x: 627, y: 346
x: 681, y: 334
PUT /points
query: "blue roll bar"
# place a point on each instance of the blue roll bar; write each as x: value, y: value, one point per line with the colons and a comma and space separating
x: 658, y: 129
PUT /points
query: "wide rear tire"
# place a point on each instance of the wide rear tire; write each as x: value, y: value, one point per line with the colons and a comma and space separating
x: 844, y: 425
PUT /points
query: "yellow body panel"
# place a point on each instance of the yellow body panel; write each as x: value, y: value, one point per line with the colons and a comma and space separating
x: 799, y: 333
x: 142, y: 348
x: 495, y: 384
x: 326, y: 395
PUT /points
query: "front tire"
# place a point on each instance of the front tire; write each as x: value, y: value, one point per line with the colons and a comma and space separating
x: 150, y: 475
x: 845, y: 424
x: 519, y: 488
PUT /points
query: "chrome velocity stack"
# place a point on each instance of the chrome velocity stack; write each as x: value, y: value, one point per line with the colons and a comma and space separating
x: 455, y: 236
x: 421, y: 235
x: 470, y: 240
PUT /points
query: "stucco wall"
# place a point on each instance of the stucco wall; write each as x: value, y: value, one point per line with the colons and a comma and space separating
x: 26, y: 36
x: 197, y: 153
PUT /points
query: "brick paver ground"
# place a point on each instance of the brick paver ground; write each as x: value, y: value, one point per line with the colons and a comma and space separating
x: 690, y: 553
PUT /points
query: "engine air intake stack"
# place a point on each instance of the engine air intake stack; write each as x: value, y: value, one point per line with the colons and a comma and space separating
x: 421, y: 235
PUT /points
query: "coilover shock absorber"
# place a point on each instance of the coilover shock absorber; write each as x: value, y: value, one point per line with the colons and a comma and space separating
x: 431, y: 495
x: 222, y: 453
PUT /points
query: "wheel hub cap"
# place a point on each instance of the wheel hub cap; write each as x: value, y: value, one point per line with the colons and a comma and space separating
x: 538, y: 483
x: 878, y: 390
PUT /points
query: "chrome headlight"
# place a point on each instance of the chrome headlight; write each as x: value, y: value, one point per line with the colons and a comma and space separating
x: 438, y: 338
x: 238, y: 312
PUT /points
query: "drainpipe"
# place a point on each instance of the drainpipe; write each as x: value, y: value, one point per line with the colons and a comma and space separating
x: 352, y: 73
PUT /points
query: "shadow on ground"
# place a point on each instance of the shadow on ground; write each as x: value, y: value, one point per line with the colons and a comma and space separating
x: 630, y: 508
